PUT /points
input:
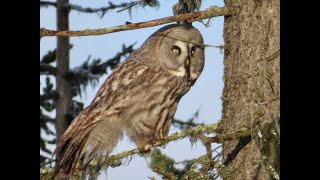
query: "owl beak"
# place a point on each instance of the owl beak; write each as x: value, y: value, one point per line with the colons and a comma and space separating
x: 188, y: 61
x: 187, y: 67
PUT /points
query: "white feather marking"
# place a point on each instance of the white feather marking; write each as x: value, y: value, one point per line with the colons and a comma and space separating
x: 183, y: 47
x: 126, y: 81
x: 181, y: 72
x: 114, y: 85
x: 162, y: 81
x: 103, y: 93
x: 140, y: 71
x: 193, y: 75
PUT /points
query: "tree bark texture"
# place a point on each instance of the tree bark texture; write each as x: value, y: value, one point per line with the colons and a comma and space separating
x: 252, y: 89
x: 63, y: 85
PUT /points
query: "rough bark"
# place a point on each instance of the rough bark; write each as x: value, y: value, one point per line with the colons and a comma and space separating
x: 63, y: 85
x: 252, y: 89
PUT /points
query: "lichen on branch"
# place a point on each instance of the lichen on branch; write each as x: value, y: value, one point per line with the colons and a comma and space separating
x: 115, y: 160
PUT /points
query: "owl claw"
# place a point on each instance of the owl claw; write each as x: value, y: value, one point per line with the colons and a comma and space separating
x: 161, y: 137
x: 158, y: 142
x: 146, y: 148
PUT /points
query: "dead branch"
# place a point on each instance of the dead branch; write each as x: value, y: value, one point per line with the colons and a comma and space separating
x: 75, y: 7
x: 213, y: 11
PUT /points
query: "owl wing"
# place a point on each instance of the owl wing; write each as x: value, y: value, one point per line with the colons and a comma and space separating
x: 73, y: 143
x: 97, y: 128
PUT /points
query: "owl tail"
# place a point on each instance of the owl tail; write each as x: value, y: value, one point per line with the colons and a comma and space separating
x: 95, y: 142
x: 69, y: 152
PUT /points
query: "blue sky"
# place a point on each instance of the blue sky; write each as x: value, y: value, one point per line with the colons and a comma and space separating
x: 205, y: 94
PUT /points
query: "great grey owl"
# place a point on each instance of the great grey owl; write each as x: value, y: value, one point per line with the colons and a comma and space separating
x: 139, y: 98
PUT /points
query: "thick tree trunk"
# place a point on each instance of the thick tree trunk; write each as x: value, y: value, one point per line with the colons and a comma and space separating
x: 252, y: 89
x: 63, y: 85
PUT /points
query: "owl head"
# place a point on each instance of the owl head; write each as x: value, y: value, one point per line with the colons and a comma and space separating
x: 178, y: 49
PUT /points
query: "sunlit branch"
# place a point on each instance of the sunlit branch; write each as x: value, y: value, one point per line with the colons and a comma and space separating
x: 213, y: 11
x: 114, y: 159
x: 196, y: 130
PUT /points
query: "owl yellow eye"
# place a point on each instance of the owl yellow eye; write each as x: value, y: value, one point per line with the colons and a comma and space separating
x: 176, y: 49
x: 193, y: 50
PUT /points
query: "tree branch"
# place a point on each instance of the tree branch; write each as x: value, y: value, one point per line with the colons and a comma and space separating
x: 271, y: 57
x: 49, y: 95
x: 47, y: 69
x: 49, y: 57
x: 244, y: 132
x: 190, y: 123
x: 103, y: 10
x: 207, y: 166
x: 113, y: 158
x: 47, y: 4
x: 213, y: 11
x: 196, y: 130
x: 185, y: 124
x: 48, y: 162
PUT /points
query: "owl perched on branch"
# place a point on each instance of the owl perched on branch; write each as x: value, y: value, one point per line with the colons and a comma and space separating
x: 139, y: 98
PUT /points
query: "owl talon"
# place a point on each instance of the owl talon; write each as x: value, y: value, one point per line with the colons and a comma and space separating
x: 146, y: 148
x: 161, y: 137
x: 157, y: 142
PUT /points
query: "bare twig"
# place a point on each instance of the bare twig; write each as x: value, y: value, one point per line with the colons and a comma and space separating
x: 266, y: 102
x: 244, y: 132
x: 207, y: 24
x: 48, y: 162
x: 189, y: 17
x: 75, y: 7
x: 152, y: 178
x: 128, y: 6
x: 49, y: 57
x: 216, y: 149
x: 49, y: 95
x: 177, y: 122
x: 206, y: 142
x: 216, y: 157
x: 269, y: 82
x: 47, y: 4
x: 195, y: 43
x: 195, y: 160
x: 47, y: 69
x: 271, y: 57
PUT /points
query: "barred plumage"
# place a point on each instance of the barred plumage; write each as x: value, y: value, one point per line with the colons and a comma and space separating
x: 140, y: 98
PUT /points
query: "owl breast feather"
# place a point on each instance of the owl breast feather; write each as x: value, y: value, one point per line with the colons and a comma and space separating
x: 146, y: 98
